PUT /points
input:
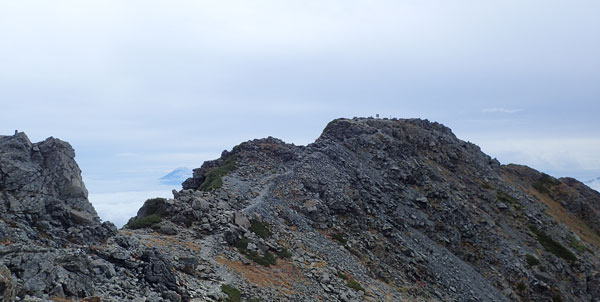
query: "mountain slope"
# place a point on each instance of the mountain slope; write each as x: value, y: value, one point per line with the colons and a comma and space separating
x: 373, y: 210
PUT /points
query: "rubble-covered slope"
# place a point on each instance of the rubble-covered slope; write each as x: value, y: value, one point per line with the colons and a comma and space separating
x: 373, y: 210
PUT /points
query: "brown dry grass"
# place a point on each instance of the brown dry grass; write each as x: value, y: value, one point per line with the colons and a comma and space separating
x: 556, y: 210
x: 562, y: 215
x: 170, y: 241
x: 281, y: 276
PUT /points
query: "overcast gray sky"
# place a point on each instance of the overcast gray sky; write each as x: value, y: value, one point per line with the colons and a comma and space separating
x: 142, y: 87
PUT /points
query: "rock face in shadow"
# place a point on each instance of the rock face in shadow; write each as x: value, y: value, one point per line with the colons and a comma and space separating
x: 41, y: 189
x: 44, y: 215
x: 373, y: 210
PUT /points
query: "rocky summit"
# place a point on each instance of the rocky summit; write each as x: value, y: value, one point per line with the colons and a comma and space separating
x: 373, y: 210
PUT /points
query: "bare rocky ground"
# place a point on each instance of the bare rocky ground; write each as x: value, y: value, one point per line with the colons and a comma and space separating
x: 373, y: 210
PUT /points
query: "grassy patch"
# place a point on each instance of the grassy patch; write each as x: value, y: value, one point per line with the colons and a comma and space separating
x: 577, y: 245
x: 486, y: 185
x: 339, y: 237
x: 267, y: 259
x: 531, y: 260
x: 260, y: 228
x: 553, y: 246
x: 233, y: 294
x: 557, y: 298
x: 506, y: 198
x: 242, y: 244
x: 284, y: 253
x: 545, y: 183
x: 353, y: 284
x: 143, y: 222
x: 214, y: 178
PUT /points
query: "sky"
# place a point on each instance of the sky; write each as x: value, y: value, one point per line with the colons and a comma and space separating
x: 140, y: 88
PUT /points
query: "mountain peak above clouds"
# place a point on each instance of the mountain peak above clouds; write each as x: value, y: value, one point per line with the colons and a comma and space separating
x: 374, y: 209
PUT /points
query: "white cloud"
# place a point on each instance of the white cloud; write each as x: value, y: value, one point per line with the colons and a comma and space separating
x: 594, y: 184
x: 559, y: 155
x: 118, y: 207
x: 500, y: 110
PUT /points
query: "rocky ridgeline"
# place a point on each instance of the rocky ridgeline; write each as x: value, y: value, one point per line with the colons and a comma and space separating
x: 373, y: 210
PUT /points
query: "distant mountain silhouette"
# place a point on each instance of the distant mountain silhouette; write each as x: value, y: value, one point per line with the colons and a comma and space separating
x: 176, y: 177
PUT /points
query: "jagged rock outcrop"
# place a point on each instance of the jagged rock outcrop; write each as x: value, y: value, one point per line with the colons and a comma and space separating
x: 42, y: 193
x: 373, y: 210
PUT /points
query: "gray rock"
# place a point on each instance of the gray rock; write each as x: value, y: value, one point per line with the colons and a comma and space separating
x: 240, y: 219
x: 7, y: 284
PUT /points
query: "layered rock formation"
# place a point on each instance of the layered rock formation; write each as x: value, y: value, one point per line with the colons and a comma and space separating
x: 373, y: 210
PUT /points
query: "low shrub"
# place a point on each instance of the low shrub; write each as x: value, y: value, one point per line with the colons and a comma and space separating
x: 339, y: 237
x: 531, y: 260
x: 214, y: 178
x: 506, y: 198
x: 353, y: 284
x: 284, y: 253
x: 241, y: 244
x: 350, y: 282
x: 545, y: 183
x: 553, y: 246
x: 143, y: 222
x: 260, y: 228
x: 233, y: 294
x: 576, y: 244
x: 152, y: 205
x: 267, y: 259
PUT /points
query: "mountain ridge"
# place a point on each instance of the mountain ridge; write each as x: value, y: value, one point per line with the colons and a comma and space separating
x: 373, y: 210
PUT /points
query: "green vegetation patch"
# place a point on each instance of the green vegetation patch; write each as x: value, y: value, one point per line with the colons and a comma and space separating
x: 545, y: 183
x: 214, y: 178
x: 339, y: 237
x: 353, y: 284
x: 577, y: 245
x: 284, y: 253
x: 350, y: 282
x: 553, y: 246
x: 242, y: 244
x: 143, y: 222
x: 531, y: 260
x: 233, y: 294
x: 506, y: 198
x: 260, y: 228
x: 152, y: 205
x: 557, y: 298
x: 267, y: 259
x: 486, y: 185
